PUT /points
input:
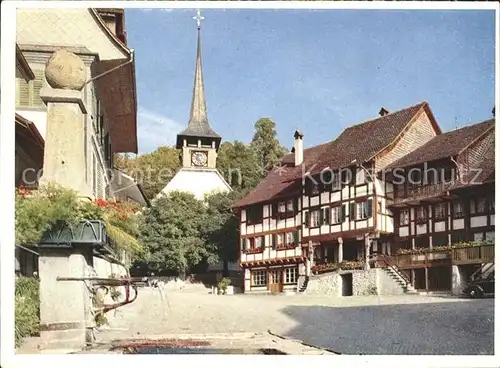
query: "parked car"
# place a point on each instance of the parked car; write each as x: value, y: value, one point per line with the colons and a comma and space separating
x: 480, y: 288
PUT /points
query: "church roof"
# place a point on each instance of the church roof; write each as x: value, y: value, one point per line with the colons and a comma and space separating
x: 198, y: 125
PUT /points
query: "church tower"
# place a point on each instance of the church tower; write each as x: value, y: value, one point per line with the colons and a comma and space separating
x: 199, y: 143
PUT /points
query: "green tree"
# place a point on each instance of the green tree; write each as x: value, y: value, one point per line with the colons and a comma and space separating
x: 171, y: 230
x: 265, y: 144
x: 221, y: 230
x: 151, y: 170
x: 239, y: 165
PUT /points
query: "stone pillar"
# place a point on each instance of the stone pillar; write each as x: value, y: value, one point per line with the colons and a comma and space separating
x: 65, y: 306
x: 64, y: 157
x: 341, y: 250
x: 367, y: 252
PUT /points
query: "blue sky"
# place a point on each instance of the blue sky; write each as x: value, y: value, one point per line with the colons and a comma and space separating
x: 317, y: 70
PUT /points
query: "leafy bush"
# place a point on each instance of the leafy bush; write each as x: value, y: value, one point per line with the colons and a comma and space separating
x: 27, y: 308
x: 223, y: 284
x: 37, y: 211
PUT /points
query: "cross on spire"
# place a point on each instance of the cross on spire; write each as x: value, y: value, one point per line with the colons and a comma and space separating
x: 198, y: 18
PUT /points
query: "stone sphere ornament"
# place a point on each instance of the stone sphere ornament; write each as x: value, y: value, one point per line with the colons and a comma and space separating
x: 65, y: 70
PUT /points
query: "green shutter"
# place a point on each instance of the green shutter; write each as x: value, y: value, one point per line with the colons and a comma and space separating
x: 37, y: 86
x: 243, y: 244
x: 351, y: 212
x: 321, y: 217
x: 296, y: 205
x: 24, y: 93
x: 296, y: 237
x: 274, y: 240
x: 369, y: 208
x: 344, y: 210
x: 306, y: 219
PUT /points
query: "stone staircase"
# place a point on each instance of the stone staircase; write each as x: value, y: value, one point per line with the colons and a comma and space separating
x: 302, y: 284
x: 396, y: 276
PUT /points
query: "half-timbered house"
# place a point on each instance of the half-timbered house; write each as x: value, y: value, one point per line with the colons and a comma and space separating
x: 444, y: 205
x: 325, y: 204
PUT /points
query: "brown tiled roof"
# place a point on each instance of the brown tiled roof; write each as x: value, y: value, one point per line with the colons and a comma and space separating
x: 444, y: 145
x: 283, y: 182
x: 361, y: 142
x: 482, y: 173
x: 364, y: 141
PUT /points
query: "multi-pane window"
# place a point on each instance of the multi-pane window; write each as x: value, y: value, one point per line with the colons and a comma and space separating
x: 478, y: 237
x: 259, y: 278
x: 281, y: 207
x: 336, y: 182
x: 336, y: 215
x: 254, y: 214
x: 290, y: 238
x: 281, y: 239
x: 490, y: 236
x: 314, y: 188
x: 314, y: 218
x: 287, y: 208
x: 440, y: 211
x: 361, y: 210
x: 421, y: 216
x: 477, y: 206
x: 458, y: 210
x: 291, y: 275
x: 259, y: 242
x: 404, y: 217
x: 439, y: 240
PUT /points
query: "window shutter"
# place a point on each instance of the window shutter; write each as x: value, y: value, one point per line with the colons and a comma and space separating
x: 37, y: 86
x: 343, y: 214
x: 295, y: 205
x: 274, y: 210
x: 306, y: 219
x: 296, y: 237
x: 326, y: 218
x: 275, y: 240
x: 243, y: 244
x: 351, y: 211
x: 24, y: 93
x: 320, y: 217
x: 369, y: 207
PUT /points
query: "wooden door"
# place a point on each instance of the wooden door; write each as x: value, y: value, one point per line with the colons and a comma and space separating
x: 275, y: 282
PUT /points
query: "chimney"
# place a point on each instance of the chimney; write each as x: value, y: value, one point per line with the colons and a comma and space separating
x: 383, y: 111
x: 298, y: 147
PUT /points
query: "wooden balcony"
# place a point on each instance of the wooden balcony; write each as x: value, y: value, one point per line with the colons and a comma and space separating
x: 419, y: 193
x: 429, y: 259
x: 469, y: 255
x: 481, y: 254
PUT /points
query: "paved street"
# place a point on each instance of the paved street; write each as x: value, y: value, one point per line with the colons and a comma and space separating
x: 409, y: 324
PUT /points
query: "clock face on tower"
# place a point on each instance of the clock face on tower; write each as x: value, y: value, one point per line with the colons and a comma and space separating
x: 199, y: 158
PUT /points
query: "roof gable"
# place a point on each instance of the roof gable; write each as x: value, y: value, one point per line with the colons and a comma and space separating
x: 364, y: 141
x: 445, y: 145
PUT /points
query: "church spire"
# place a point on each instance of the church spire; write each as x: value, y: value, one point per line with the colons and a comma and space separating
x: 198, y: 125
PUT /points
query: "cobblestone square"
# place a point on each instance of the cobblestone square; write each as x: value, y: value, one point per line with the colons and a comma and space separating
x: 407, y: 324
